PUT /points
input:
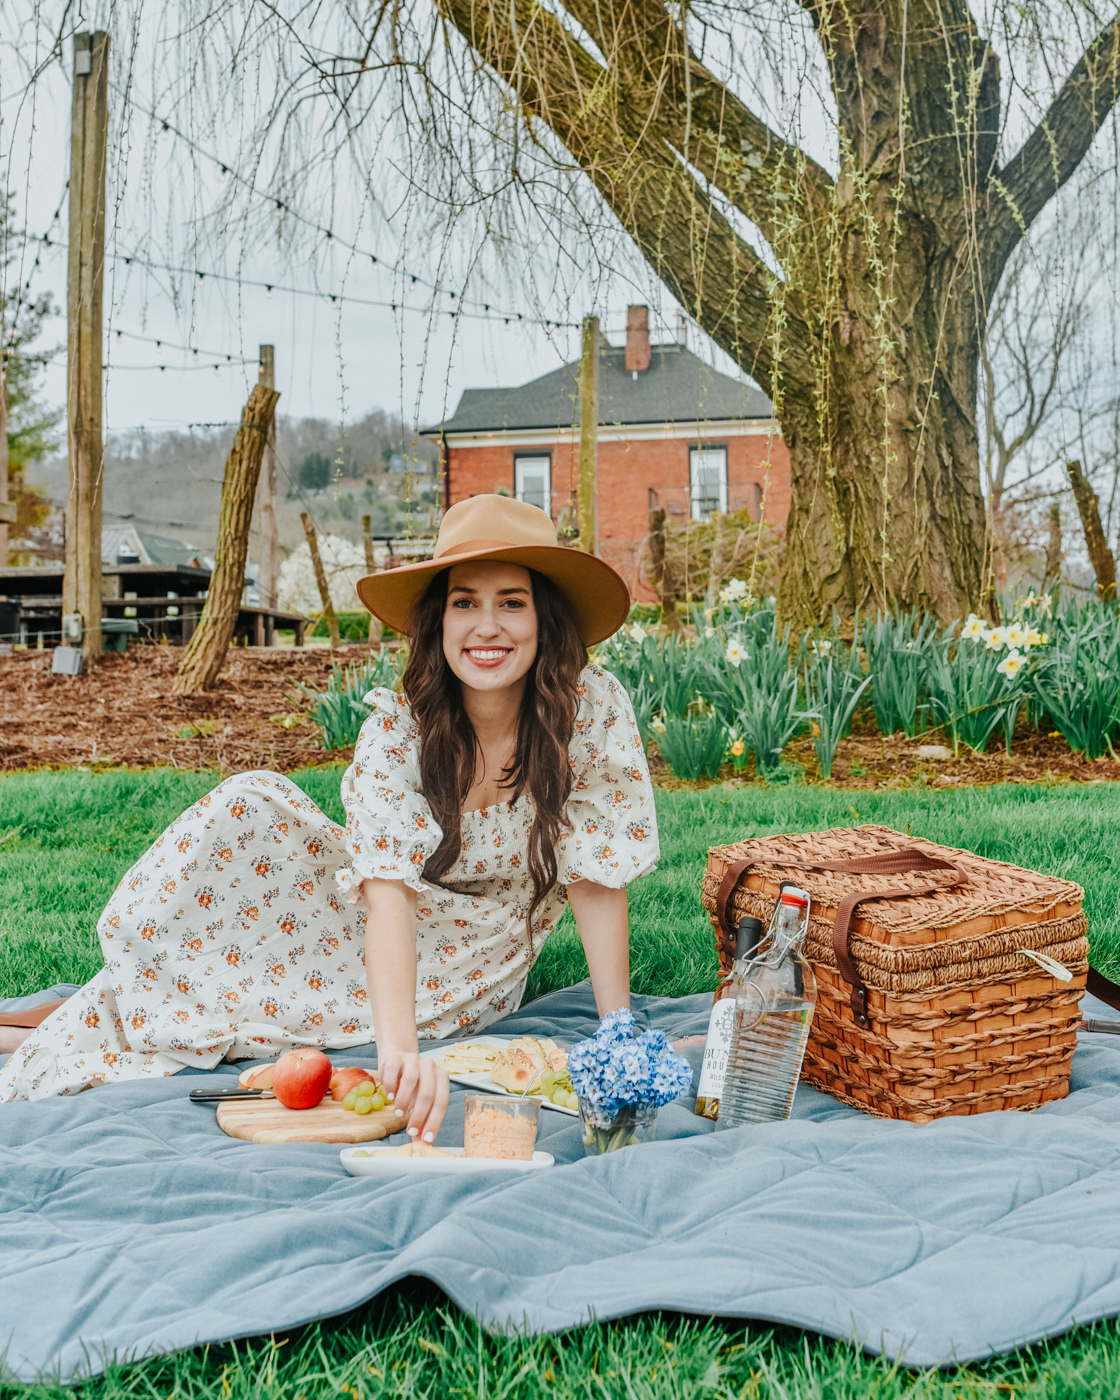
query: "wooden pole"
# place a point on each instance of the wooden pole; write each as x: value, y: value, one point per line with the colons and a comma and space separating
x: 7, y: 509
x: 371, y: 568
x: 588, y: 436
x: 206, y: 650
x: 1053, y: 568
x: 660, y: 572
x: 270, y: 533
x: 89, y: 126
x: 1100, y: 556
x: 321, y: 579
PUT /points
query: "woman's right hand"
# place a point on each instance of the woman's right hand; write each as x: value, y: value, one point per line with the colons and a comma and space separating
x: 419, y: 1089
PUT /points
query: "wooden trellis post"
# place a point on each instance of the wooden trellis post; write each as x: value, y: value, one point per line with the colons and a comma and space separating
x: 89, y: 126
x: 321, y: 579
x: 270, y: 533
x: 589, y: 436
x: 206, y: 650
x: 371, y: 568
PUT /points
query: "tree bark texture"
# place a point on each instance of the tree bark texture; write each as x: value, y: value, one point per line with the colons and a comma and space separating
x: 1100, y: 556
x: 660, y: 574
x: 868, y: 338
x: 269, y: 588
x: 206, y: 650
x: 7, y: 509
x: 1053, y: 566
x: 321, y: 580
x: 375, y: 627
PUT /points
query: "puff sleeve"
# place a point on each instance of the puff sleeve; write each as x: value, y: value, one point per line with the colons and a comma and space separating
x: 613, y: 836
x: 390, y: 830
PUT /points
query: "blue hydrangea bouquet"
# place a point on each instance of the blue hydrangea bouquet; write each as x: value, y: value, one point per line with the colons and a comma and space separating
x: 621, y: 1081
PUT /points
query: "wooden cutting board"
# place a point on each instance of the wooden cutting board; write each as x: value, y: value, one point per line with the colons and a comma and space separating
x: 265, y: 1120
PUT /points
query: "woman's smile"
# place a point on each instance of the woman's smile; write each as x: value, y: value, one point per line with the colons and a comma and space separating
x: 488, y: 656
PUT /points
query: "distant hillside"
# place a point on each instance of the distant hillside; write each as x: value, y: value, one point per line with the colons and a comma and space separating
x: 170, y: 482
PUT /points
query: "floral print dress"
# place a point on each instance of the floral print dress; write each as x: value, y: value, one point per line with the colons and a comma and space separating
x: 242, y: 932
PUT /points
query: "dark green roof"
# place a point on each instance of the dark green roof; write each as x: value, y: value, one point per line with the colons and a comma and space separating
x: 678, y: 387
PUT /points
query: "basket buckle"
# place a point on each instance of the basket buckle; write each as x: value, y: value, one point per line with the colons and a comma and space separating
x: 859, y: 1005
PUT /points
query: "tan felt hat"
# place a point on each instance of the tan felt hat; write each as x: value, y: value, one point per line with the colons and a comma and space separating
x: 512, y: 532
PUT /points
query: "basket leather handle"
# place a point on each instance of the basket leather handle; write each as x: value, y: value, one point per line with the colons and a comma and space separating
x: 900, y: 862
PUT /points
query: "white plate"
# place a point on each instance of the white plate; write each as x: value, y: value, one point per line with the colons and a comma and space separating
x: 379, y: 1164
x: 480, y: 1079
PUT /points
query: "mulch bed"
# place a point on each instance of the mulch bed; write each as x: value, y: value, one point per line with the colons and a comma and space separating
x: 122, y: 713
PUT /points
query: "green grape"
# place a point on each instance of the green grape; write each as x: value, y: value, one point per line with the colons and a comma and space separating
x: 378, y: 1100
x: 571, y: 1099
x: 350, y: 1099
x: 548, y: 1083
x: 363, y: 1106
x: 359, y: 1153
x: 366, y: 1089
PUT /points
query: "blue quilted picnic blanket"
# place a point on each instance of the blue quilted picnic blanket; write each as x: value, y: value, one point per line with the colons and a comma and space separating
x: 130, y: 1224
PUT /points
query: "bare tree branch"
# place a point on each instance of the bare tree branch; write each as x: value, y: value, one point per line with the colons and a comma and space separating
x: 1052, y: 152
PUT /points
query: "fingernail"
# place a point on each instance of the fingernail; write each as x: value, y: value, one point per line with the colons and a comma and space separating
x: 413, y: 1131
x: 428, y: 1137
x: 399, y: 1112
x: 391, y: 1097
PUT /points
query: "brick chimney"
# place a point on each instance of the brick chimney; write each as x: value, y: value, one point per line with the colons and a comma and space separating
x: 637, y: 338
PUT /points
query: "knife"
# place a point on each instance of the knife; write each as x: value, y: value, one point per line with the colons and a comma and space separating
x: 213, y: 1095
x: 1108, y: 1027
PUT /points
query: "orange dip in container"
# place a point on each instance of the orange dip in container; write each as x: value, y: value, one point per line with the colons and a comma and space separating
x: 504, y: 1128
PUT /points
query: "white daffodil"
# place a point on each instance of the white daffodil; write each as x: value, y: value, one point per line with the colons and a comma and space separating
x: 709, y: 613
x: 821, y: 648
x: 1015, y: 636
x: 657, y: 724
x: 736, y: 652
x: 1046, y: 605
x: 709, y: 632
x: 636, y: 632
x: 973, y: 627
x: 1011, y: 665
x: 737, y: 588
x: 996, y: 638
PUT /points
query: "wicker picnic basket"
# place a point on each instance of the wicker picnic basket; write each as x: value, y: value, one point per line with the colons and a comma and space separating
x: 928, y: 1003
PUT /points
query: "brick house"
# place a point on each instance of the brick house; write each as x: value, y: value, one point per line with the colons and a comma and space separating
x: 673, y: 432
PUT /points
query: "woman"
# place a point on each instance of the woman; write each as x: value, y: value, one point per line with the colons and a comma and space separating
x: 508, y: 776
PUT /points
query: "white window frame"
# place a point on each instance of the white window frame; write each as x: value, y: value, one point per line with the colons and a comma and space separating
x: 695, y: 454
x: 536, y: 459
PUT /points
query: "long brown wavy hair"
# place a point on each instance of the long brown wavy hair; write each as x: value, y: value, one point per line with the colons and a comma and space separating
x: 449, y: 747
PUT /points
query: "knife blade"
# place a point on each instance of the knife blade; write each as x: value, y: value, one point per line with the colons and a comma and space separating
x: 214, y: 1095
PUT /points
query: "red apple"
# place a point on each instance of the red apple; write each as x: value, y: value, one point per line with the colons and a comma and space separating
x: 343, y: 1080
x: 300, y: 1078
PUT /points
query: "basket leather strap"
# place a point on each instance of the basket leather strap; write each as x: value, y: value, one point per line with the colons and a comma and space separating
x: 899, y: 862
x: 1099, y: 986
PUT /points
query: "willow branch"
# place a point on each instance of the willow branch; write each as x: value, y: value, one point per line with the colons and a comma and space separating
x: 1052, y: 152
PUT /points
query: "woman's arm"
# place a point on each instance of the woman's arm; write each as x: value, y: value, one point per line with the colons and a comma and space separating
x: 603, y: 920
x: 419, y: 1088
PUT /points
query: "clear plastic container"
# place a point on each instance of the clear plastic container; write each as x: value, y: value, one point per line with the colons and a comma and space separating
x: 775, y: 996
x: 502, y: 1128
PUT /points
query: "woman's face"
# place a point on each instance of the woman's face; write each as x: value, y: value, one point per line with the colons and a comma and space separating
x: 489, y: 624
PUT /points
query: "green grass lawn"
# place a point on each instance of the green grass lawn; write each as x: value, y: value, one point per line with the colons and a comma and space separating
x: 65, y: 840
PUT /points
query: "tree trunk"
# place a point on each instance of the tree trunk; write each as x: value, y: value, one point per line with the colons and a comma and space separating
x: 206, y: 650
x: 321, y: 579
x: 7, y: 510
x: 1100, y: 556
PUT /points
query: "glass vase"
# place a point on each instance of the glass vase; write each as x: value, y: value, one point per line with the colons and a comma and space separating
x: 632, y: 1124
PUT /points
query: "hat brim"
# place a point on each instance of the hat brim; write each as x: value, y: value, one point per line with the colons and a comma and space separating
x: 597, y: 594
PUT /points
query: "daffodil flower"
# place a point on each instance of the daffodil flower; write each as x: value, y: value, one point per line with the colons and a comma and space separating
x: 736, y: 652
x: 657, y: 724
x: 738, y: 748
x: 973, y: 628
x: 1015, y: 636
x: 996, y: 638
x: 1011, y: 665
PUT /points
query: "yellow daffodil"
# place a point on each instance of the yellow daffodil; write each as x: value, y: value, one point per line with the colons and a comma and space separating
x: 1035, y: 638
x: 738, y: 749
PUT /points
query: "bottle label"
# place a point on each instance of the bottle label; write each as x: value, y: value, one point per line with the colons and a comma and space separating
x: 714, y: 1064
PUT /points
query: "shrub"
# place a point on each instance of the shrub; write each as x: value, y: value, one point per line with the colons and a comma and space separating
x: 973, y: 689
x: 1078, y: 683
x: 834, y: 683
x: 897, y: 645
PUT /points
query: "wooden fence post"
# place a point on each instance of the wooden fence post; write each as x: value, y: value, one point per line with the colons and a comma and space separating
x: 89, y: 125
x: 7, y: 508
x: 589, y: 436
x: 1053, y: 568
x: 270, y: 533
x: 1100, y: 556
x: 206, y: 650
x: 375, y: 628
x: 660, y: 573
x: 329, y: 616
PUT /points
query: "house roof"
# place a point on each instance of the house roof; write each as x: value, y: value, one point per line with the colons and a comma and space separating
x: 148, y: 548
x: 678, y: 387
